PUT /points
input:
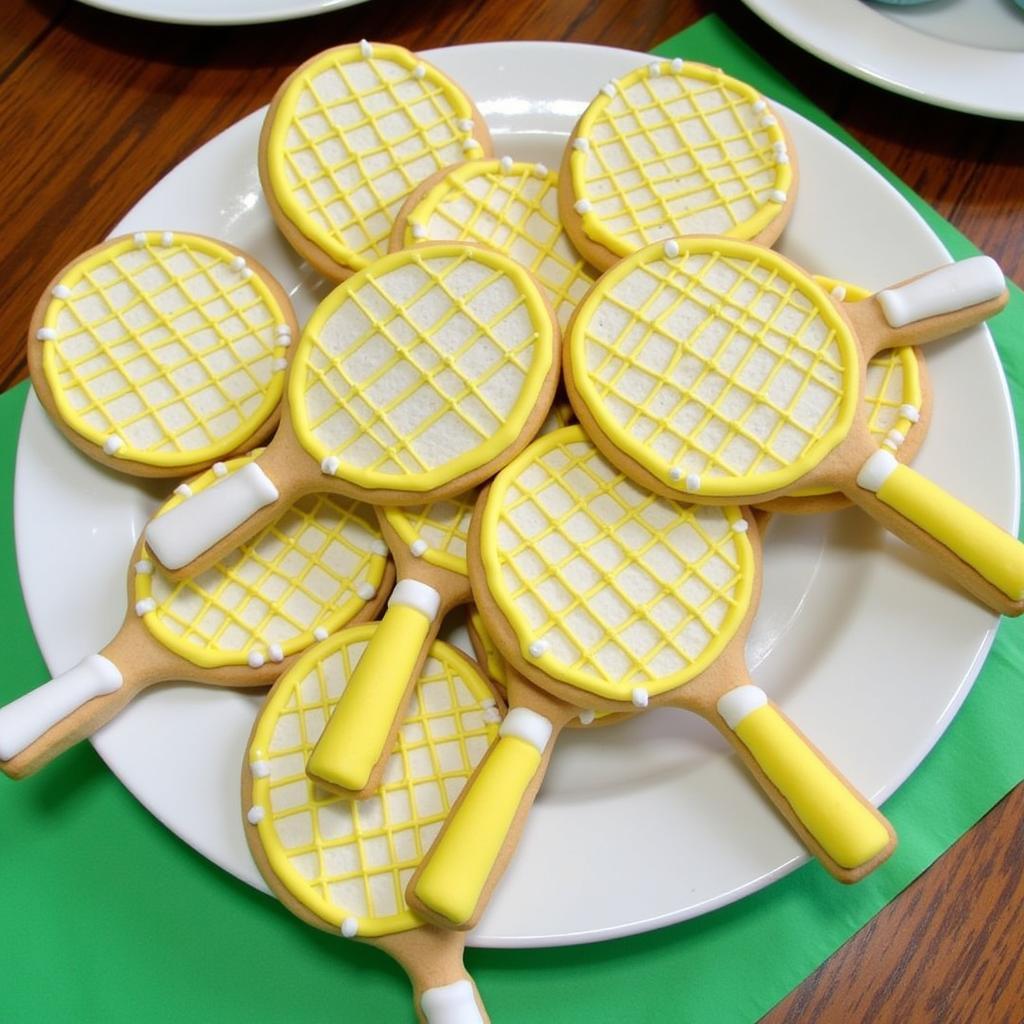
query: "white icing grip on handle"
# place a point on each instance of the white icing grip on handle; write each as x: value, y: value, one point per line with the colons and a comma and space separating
x: 451, y: 1004
x: 184, y: 532
x: 945, y: 290
x: 24, y: 720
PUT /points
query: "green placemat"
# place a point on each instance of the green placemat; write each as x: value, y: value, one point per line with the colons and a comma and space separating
x: 106, y: 917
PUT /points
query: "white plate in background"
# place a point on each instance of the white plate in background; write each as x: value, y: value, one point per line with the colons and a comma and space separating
x: 219, y: 12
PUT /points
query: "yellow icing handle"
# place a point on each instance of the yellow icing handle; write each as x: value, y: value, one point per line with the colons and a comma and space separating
x: 993, y: 553
x: 455, y: 872
x: 845, y: 825
x: 354, y: 740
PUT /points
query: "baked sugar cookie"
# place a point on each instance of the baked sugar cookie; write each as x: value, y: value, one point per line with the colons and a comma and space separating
x: 347, y: 137
x: 510, y: 206
x: 342, y: 865
x: 675, y: 148
x: 160, y: 353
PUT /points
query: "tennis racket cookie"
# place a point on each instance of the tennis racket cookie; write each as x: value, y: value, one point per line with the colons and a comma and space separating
x: 603, y: 596
x: 322, y: 565
x: 897, y: 401
x: 714, y: 370
x: 428, y: 544
x: 160, y: 353
x: 414, y: 380
x: 675, y: 148
x: 342, y: 865
x: 346, y: 139
x: 509, y: 206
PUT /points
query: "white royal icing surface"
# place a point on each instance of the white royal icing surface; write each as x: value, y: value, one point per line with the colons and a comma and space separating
x: 451, y: 1004
x: 953, y: 287
x: 24, y: 720
x: 528, y: 726
x: 876, y: 470
x: 737, y: 704
x: 187, y: 530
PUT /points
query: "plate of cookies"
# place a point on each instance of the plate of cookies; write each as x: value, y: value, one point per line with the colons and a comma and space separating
x: 596, y: 382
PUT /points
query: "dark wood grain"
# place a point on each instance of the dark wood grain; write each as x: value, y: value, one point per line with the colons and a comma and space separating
x: 95, y: 109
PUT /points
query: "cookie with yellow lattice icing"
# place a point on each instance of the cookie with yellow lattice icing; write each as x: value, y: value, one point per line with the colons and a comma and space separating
x: 347, y: 137
x: 670, y: 149
x: 509, y: 206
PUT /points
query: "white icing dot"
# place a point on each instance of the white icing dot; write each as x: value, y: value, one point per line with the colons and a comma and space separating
x: 378, y: 547
x: 219, y: 469
x: 167, y: 239
x: 367, y: 591
x: 889, y: 444
x: 145, y: 606
x: 896, y: 436
x: 760, y: 105
x: 538, y: 648
x: 417, y: 230
x: 284, y: 334
x: 247, y: 272
x: 581, y: 206
x: 276, y: 653
x: 419, y: 71
x: 61, y: 291
x: 767, y: 121
x: 260, y: 769
x: 466, y: 124
x: 910, y: 412
x: 675, y: 473
x: 350, y: 927
x: 581, y: 143
x: 255, y: 815
x: 506, y: 163
x: 777, y: 195
x: 365, y: 49
x: 256, y: 660
x: 184, y: 490
x: 46, y: 334
x: 654, y: 69
x: 781, y: 156
x: 238, y: 262
x: 608, y: 89
x: 671, y: 248
x: 838, y: 293
x: 417, y: 548
x: 692, y: 482
x: 112, y: 444
x: 144, y: 567
x: 587, y: 716
x: 677, y: 64
x: 639, y: 697
x: 740, y: 526
x: 319, y: 633
x: 139, y: 238
x: 540, y: 170
x: 280, y: 365
x: 330, y: 465
x: 491, y: 715
x: 470, y: 144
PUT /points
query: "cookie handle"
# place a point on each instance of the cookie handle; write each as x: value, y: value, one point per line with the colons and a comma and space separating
x: 452, y: 883
x: 852, y: 834
x: 31, y: 732
x: 986, y: 560
x: 457, y: 1003
x: 354, y: 744
x: 930, y: 306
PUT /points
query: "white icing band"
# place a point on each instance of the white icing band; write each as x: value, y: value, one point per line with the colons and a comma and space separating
x: 737, y: 704
x: 275, y: 653
x: 260, y: 769
x: 587, y: 716
x: 255, y: 815
x: 451, y: 1004
x: 876, y: 470
x: 417, y: 230
x: 219, y: 469
x: 284, y: 334
x: 367, y: 591
x: 671, y: 248
x: 781, y: 156
x: 413, y: 594
x: 528, y: 726
x: 838, y: 293
x: 187, y: 530
x: 61, y: 291
x: 955, y: 286
x: 910, y: 412
x: 46, y: 334
x: 280, y: 364
x: 491, y: 715
x: 320, y: 633
x: 417, y: 548
x: 184, y: 490
x: 167, y: 239
x: 350, y: 927
x: 144, y: 567
x: 581, y: 206
x: 139, y: 238
x: 777, y: 196
x: 639, y: 697
x: 24, y: 720
x: 330, y: 465
x: 145, y: 606
x: 609, y: 89
x: 365, y: 49
x: 113, y: 444
x: 896, y: 437
x: 538, y: 648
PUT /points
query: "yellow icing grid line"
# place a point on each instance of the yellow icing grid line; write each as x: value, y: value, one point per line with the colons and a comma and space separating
x: 666, y: 204
x: 811, y: 361
x: 283, y: 578
x: 398, y: 447
x: 180, y: 366
x: 878, y: 400
x: 505, y: 190
x: 371, y: 163
x: 414, y: 778
x: 442, y: 525
x: 614, y: 516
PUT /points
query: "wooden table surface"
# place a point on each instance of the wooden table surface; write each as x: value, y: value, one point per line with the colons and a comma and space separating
x: 96, y: 108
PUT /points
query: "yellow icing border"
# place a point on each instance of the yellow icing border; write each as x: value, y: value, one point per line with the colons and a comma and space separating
x: 401, y: 521
x: 715, y: 486
x: 206, y: 657
x: 594, y: 228
x: 272, y: 392
x: 543, y: 346
x: 524, y: 631
x: 298, y: 886
x: 284, y: 114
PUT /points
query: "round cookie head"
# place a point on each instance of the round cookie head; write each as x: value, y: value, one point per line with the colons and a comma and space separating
x: 348, y: 136
x: 675, y: 148
x: 160, y: 353
x: 509, y: 206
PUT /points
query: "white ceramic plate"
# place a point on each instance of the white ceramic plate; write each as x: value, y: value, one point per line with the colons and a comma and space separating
x: 642, y: 824
x: 962, y: 54
x: 220, y: 12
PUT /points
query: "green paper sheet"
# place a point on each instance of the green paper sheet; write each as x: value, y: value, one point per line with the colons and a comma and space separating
x: 106, y: 917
